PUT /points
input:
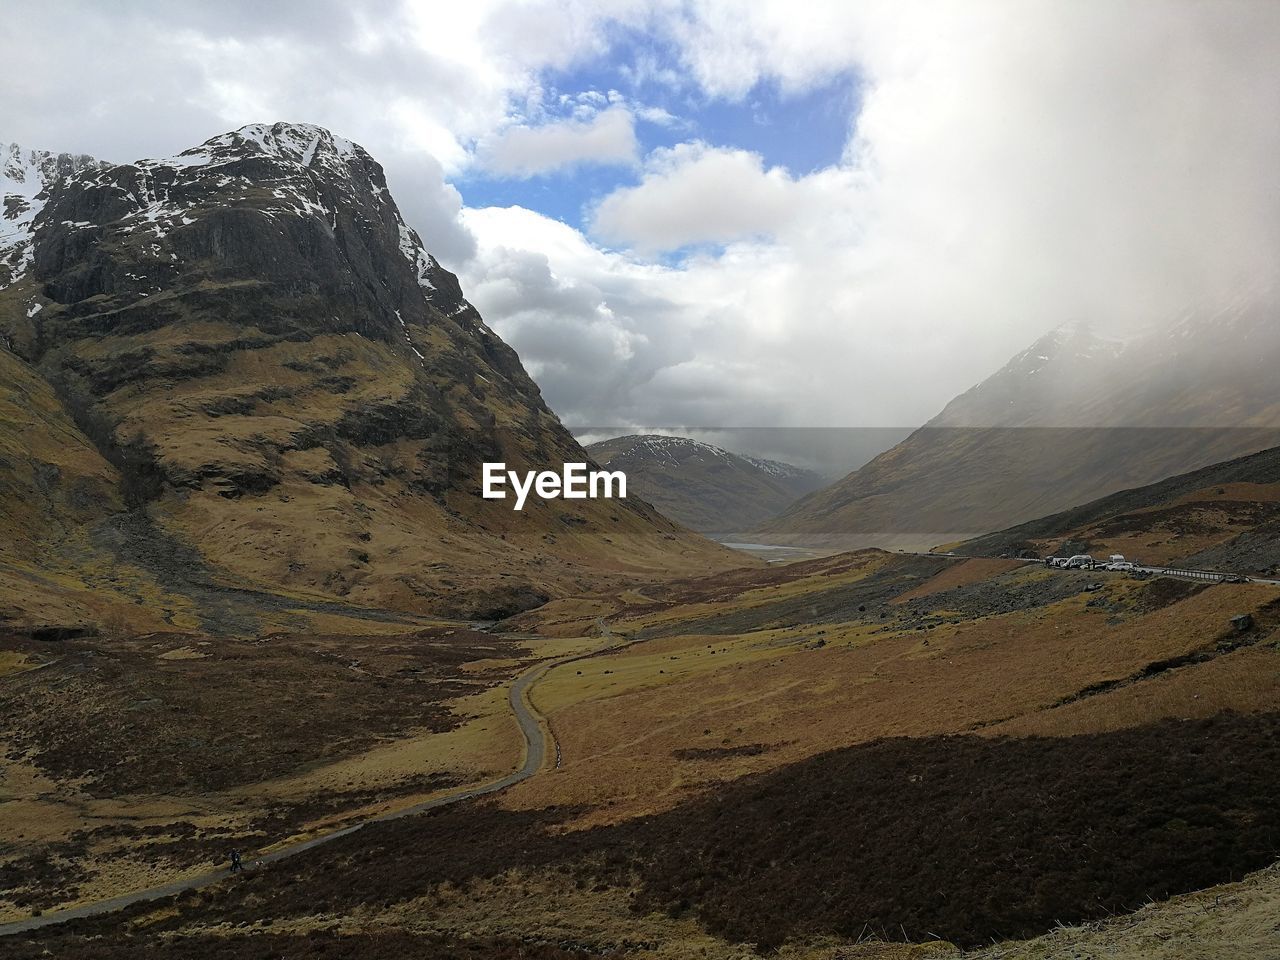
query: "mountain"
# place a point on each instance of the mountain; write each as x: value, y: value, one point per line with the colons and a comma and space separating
x: 239, y: 366
x: 1222, y: 517
x: 702, y: 486
x: 1079, y: 414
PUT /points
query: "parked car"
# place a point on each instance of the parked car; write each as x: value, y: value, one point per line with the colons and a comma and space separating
x: 1123, y: 566
x: 1081, y: 561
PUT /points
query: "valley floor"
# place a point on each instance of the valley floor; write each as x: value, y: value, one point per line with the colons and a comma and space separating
x: 863, y: 755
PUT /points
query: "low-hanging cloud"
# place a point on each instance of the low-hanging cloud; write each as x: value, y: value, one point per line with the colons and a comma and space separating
x: 1007, y: 168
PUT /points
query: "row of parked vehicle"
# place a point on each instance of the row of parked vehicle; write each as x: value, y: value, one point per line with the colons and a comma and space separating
x: 1083, y: 561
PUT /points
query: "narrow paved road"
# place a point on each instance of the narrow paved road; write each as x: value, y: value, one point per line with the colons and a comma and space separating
x: 537, y: 739
x: 1209, y: 576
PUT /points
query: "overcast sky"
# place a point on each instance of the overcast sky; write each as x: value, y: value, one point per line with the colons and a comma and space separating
x: 757, y: 213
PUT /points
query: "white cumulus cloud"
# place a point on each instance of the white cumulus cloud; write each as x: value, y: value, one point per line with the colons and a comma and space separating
x: 606, y: 137
x: 693, y: 193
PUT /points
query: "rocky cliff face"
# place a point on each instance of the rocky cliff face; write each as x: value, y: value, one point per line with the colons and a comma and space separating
x: 1080, y: 414
x: 286, y: 381
x: 26, y: 177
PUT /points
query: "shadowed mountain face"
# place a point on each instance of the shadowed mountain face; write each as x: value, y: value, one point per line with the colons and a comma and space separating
x: 702, y: 486
x: 283, y: 382
x: 1078, y: 415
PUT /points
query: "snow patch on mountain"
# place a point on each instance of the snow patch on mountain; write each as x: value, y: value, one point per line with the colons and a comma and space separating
x: 661, y: 449
x: 303, y: 144
x: 25, y: 179
x: 421, y: 261
x: 778, y: 469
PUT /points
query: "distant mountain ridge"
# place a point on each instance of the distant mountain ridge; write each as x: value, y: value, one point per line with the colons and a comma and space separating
x: 268, y: 380
x: 703, y: 486
x: 1077, y: 415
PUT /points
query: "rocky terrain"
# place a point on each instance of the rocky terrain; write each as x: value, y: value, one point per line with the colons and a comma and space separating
x: 702, y: 486
x: 240, y: 366
x: 1078, y: 415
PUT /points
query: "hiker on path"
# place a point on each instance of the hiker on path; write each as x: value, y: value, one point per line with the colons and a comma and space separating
x: 236, y: 865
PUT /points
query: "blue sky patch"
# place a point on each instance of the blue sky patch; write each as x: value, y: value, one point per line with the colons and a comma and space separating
x: 803, y: 131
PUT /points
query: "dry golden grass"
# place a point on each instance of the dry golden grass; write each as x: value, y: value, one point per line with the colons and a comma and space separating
x: 402, y: 763
x: 89, y: 589
x: 1155, y: 535
x: 1246, y: 680
x: 346, y: 518
x: 1247, y: 492
x: 550, y: 906
x: 620, y: 717
x: 1156, y: 546
x: 959, y: 575
x: 1235, y: 921
x: 35, y: 430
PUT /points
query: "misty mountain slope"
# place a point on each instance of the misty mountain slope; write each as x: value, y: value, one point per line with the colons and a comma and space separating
x: 702, y: 486
x: 1225, y: 516
x: 288, y: 382
x: 1078, y: 415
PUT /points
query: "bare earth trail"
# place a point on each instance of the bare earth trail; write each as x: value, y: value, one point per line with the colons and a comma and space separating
x: 538, y: 741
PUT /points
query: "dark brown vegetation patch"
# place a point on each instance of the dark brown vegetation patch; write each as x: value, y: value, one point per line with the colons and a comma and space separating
x: 389, y: 945
x: 721, y: 753
x: 40, y: 880
x: 964, y: 838
x: 968, y: 838
x: 859, y: 600
x: 1160, y: 592
x: 227, y: 711
x: 734, y: 583
x: 1188, y: 519
x: 1022, y: 589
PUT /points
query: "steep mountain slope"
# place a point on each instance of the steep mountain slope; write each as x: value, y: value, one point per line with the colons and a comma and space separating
x: 702, y: 486
x: 294, y: 393
x: 1225, y: 516
x: 25, y: 178
x: 1076, y: 416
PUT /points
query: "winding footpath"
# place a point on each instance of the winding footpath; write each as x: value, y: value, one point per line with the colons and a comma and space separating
x: 537, y: 737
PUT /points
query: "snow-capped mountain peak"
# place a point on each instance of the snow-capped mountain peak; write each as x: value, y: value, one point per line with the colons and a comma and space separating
x: 303, y: 144
x: 305, y: 171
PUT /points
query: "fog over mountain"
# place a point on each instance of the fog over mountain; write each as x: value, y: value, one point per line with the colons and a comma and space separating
x: 612, y: 184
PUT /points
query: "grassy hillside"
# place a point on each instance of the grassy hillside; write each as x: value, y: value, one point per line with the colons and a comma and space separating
x: 287, y: 393
x: 1224, y: 516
